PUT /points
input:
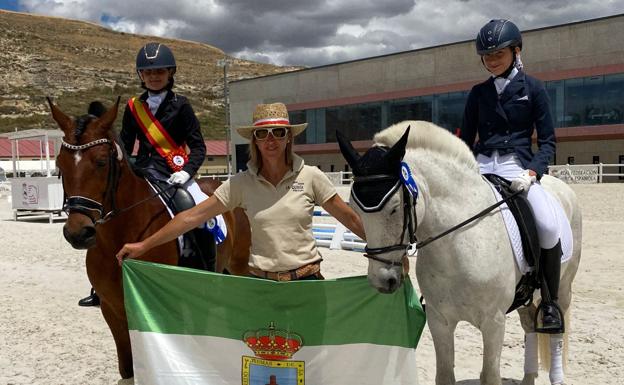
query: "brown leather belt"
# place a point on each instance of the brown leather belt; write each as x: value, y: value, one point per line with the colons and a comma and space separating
x: 290, y: 275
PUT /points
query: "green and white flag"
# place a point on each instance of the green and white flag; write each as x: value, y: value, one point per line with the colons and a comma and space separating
x: 192, y: 327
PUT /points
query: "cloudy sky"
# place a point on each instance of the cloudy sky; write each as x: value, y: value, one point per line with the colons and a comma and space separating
x: 317, y: 32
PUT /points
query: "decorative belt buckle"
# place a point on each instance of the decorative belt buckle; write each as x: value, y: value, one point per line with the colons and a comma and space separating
x: 285, y: 274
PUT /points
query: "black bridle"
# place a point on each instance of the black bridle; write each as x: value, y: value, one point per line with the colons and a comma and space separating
x: 90, y: 207
x: 410, y: 220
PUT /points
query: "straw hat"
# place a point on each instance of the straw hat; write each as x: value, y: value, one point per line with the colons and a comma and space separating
x: 270, y: 115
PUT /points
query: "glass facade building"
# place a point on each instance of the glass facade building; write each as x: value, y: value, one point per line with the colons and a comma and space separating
x: 578, y: 102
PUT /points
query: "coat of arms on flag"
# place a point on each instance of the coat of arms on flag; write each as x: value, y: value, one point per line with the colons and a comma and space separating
x: 272, y: 364
x: 194, y: 327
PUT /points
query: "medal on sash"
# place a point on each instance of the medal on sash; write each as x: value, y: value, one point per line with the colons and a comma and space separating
x: 175, y: 155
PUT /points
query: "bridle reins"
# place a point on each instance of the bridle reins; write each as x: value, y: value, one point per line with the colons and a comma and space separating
x: 410, y: 219
x: 88, y: 206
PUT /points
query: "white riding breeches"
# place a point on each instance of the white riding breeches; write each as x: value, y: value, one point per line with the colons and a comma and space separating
x: 198, y: 195
x: 193, y: 188
x: 217, y: 227
x: 509, y: 167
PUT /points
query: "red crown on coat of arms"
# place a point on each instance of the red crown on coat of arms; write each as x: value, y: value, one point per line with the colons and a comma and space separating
x: 272, y: 343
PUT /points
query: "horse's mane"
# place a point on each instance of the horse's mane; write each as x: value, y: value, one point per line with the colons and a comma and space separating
x: 96, y: 110
x: 428, y: 136
x: 81, y: 124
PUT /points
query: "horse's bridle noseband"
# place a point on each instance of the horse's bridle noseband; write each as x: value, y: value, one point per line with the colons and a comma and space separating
x: 410, y: 221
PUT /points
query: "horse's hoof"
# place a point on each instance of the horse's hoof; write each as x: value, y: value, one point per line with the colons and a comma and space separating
x: 529, y: 379
x: 126, y: 381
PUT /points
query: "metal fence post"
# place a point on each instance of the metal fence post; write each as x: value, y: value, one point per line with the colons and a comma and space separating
x: 599, y: 172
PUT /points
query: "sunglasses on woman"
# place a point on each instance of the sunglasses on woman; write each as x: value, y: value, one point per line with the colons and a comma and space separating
x: 277, y: 132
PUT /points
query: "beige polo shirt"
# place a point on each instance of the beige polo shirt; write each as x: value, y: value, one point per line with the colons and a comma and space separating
x: 280, y: 216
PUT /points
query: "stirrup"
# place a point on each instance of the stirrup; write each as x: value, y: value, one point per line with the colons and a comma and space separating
x: 551, y: 329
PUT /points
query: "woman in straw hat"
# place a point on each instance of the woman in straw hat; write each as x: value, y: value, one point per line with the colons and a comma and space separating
x: 278, y: 193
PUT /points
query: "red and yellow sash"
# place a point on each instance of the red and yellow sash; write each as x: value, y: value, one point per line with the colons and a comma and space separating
x: 157, y: 135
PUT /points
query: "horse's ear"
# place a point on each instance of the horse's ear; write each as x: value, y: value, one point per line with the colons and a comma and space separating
x: 65, y: 122
x: 108, y: 118
x: 347, y: 150
x: 396, y: 153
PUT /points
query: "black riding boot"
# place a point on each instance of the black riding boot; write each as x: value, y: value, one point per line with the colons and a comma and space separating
x: 200, y: 252
x: 208, y: 248
x: 92, y: 300
x: 552, y: 317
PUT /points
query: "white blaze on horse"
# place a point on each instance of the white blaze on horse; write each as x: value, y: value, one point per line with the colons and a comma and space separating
x: 469, y: 274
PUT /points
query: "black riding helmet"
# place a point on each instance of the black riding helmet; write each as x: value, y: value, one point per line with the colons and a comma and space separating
x: 498, y: 34
x: 153, y: 56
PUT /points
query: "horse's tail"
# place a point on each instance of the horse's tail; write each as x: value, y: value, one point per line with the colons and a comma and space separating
x: 544, y: 344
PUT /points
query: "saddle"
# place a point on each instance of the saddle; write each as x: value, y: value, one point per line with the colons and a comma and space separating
x: 198, y: 249
x: 523, y: 214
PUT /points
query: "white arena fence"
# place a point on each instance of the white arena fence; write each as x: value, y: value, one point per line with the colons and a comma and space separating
x: 588, y: 173
x: 334, y: 235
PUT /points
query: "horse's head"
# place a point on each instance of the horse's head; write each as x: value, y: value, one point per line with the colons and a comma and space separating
x: 385, y: 205
x: 89, y: 165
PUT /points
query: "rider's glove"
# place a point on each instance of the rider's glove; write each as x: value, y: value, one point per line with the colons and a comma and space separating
x: 179, y: 177
x: 523, y: 181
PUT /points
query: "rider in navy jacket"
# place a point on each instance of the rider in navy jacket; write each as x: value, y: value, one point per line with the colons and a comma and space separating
x: 505, y: 111
x: 507, y: 123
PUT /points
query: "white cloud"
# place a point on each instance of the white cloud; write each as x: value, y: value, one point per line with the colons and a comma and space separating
x: 318, y: 32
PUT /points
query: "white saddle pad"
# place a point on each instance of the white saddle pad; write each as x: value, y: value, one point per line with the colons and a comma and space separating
x: 514, y: 232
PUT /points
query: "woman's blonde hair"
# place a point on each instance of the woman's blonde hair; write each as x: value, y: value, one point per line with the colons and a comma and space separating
x: 255, y: 158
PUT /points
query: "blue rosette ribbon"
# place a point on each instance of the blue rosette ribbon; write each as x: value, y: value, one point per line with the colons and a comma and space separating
x: 213, y: 227
x: 408, y: 180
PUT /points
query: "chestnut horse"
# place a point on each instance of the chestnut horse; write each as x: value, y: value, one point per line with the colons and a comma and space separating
x: 109, y: 205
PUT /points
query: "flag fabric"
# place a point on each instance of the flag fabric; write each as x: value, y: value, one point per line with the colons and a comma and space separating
x: 192, y: 327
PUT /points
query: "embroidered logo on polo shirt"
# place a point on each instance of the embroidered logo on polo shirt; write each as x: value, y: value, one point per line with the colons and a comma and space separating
x: 297, y: 186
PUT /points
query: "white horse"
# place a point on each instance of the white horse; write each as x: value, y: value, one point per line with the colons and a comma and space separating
x: 468, y: 275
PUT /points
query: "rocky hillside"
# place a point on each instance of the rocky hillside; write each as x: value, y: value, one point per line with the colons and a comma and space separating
x: 76, y: 62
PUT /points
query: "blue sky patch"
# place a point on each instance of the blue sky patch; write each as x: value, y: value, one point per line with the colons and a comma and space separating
x: 11, y: 5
